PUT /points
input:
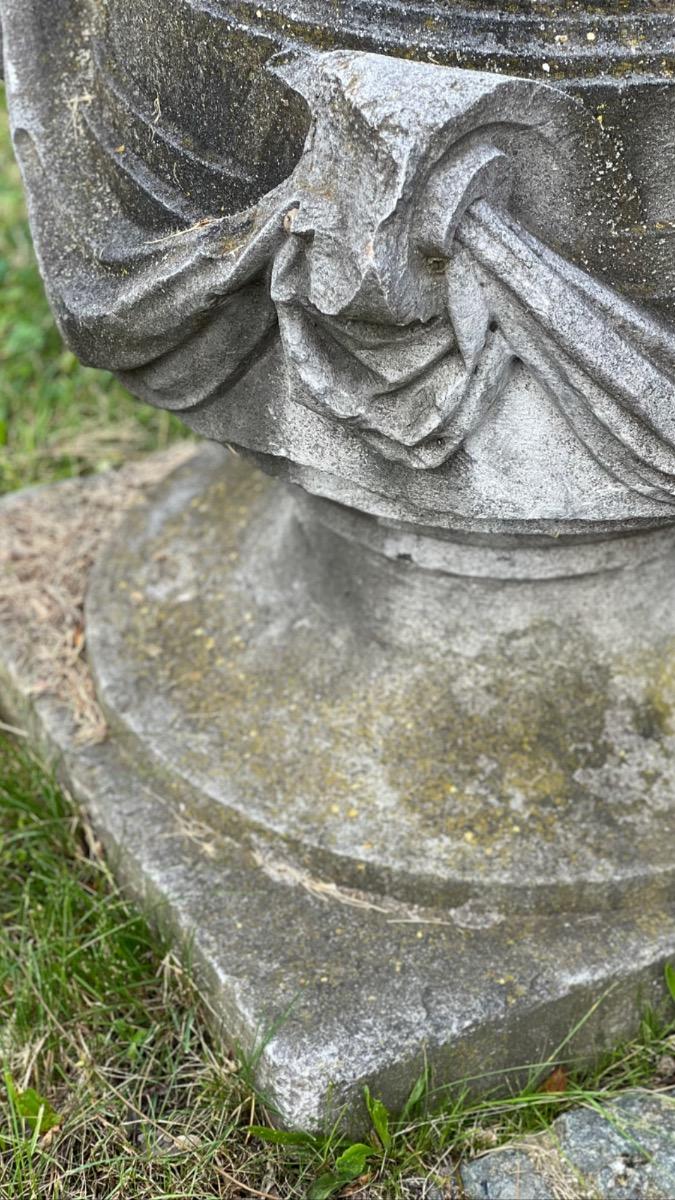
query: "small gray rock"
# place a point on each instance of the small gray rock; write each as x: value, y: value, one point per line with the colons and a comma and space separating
x: 627, y: 1151
x: 505, y: 1175
x: 624, y: 1151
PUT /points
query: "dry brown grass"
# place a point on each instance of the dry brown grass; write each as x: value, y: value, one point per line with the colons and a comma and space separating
x: 46, y: 553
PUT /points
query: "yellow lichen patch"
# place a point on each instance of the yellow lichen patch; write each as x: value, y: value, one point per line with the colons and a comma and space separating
x: 660, y: 693
x: 288, y: 716
x: 512, y: 752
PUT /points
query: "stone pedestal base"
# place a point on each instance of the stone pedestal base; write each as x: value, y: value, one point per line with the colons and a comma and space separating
x: 400, y: 816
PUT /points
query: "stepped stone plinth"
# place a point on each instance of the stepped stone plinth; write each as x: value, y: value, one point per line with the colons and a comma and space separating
x: 390, y: 681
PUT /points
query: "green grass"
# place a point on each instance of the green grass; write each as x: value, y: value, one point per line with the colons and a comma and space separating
x: 100, y: 1021
x: 113, y: 1085
x: 57, y: 418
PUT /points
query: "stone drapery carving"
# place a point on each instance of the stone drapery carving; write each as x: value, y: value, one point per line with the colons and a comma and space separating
x: 415, y: 321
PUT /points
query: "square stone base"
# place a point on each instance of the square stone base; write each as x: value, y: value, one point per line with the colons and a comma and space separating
x: 328, y: 988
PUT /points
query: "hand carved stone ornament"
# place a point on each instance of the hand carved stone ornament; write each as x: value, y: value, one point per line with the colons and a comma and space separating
x: 425, y: 289
x: 418, y: 259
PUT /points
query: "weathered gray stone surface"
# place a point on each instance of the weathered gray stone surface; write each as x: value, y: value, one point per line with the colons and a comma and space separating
x: 486, y: 745
x: 623, y: 1150
x: 506, y: 1175
x: 363, y: 962
x: 423, y: 717
x: 429, y: 294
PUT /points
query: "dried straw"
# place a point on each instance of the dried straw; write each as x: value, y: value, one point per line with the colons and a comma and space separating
x: 49, y: 539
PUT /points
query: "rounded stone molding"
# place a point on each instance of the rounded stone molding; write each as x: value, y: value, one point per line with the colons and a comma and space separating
x: 440, y: 740
x: 417, y: 259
